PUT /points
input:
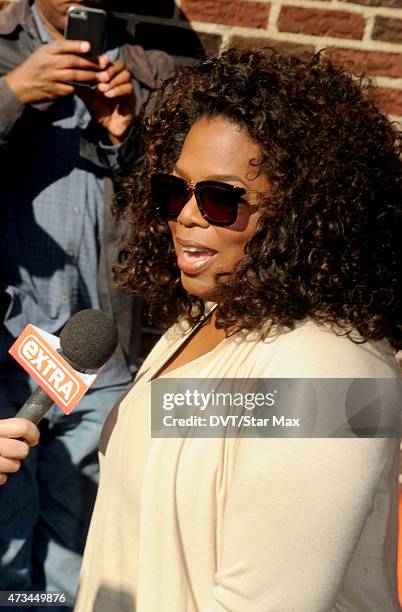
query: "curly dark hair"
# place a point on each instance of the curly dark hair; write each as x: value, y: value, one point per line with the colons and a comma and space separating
x: 327, y: 245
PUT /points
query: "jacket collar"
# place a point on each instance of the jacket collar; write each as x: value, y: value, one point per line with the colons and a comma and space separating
x: 17, y: 15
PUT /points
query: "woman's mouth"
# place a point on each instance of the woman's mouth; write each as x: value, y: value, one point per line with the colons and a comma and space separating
x: 192, y: 259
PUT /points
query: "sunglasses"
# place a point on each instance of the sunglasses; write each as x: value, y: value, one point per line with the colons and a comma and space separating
x: 217, y: 202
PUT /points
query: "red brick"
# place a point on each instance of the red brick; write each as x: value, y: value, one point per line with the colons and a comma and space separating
x: 373, y: 63
x: 255, y: 42
x: 388, y: 100
x: 231, y: 12
x: 385, y: 3
x: 388, y: 29
x: 341, y: 24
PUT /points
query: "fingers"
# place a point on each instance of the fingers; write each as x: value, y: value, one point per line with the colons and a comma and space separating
x: 119, y: 83
x: 72, y: 75
x: 69, y: 46
x: 13, y: 449
x: 63, y: 89
x: 119, y: 87
x: 76, y: 61
x: 121, y: 91
x: 106, y: 76
x: 103, y: 61
x: 71, y: 67
x: 18, y: 428
x: 8, y: 466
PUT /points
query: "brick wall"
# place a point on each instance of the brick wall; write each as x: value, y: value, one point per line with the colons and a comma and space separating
x: 366, y: 34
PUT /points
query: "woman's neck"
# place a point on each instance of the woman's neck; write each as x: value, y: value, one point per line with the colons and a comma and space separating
x: 200, y: 342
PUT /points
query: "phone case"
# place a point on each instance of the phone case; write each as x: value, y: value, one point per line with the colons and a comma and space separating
x: 84, y: 23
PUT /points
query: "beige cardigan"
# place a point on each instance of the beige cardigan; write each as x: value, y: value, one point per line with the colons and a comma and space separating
x: 246, y: 525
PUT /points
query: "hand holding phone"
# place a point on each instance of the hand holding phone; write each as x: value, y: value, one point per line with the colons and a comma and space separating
x: 89, y: 24
x: 111, y: 99
x: 51, y: 71
x: 113, y: 104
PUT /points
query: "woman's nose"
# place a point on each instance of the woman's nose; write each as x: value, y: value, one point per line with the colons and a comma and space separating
x: 191, y: 215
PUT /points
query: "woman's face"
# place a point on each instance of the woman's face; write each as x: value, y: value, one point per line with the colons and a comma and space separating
x: 215, y: 149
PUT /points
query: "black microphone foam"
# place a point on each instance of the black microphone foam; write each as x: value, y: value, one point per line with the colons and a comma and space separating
x: 88, y: 339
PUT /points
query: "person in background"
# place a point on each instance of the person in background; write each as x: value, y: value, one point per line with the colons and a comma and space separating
x: 265, y: 235
x: 62, y: 150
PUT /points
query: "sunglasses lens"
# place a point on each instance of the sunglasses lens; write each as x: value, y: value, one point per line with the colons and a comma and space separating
x: 219, y: 202
x: 170, y: 194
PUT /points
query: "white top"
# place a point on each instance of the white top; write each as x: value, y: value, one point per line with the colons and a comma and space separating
x: 246, y: 524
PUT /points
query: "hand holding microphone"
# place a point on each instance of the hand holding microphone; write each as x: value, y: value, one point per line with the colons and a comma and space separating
x: 17, y: 436
x: 87, y: 341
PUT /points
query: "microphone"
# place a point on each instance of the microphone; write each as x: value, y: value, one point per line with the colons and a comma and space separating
x: 87, y: 341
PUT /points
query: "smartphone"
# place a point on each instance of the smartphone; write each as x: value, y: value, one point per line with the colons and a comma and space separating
x: 84, y: 23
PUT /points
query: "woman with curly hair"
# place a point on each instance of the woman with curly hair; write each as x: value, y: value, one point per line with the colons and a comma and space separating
x: 265, y: 235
